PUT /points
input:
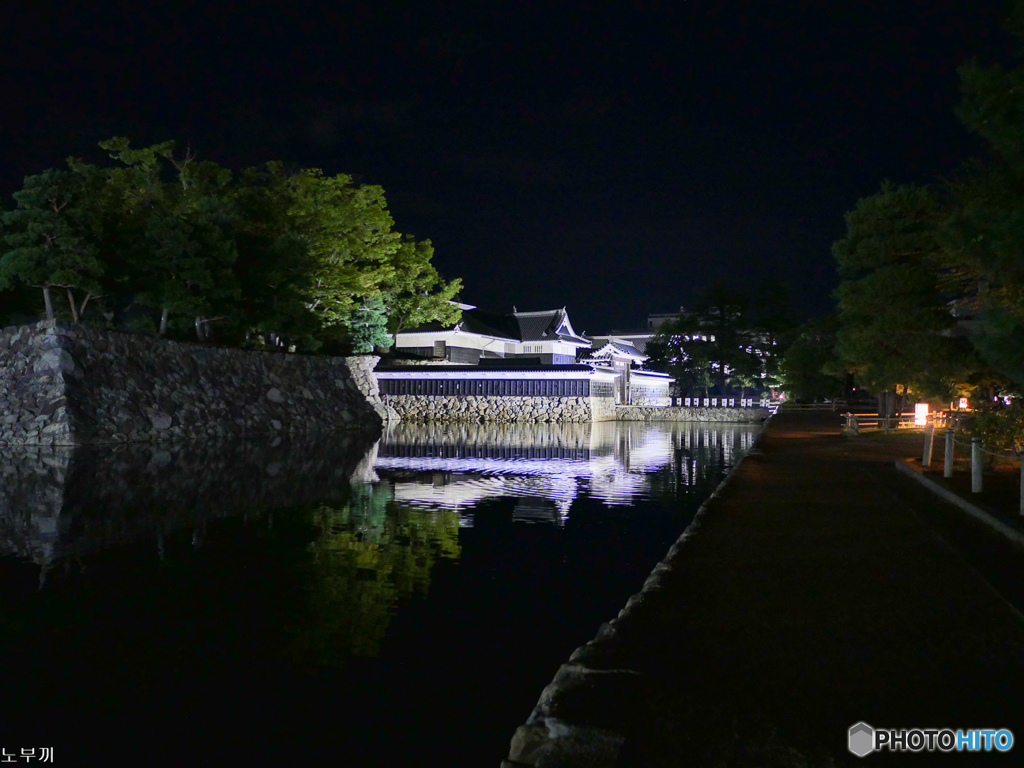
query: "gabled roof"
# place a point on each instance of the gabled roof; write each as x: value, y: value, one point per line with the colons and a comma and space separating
x: 638, y: 339
x: 619, y: 348
x: 490, y: 324
x: 640, y: 344
x: 547, y: 325
x: 476, y: 321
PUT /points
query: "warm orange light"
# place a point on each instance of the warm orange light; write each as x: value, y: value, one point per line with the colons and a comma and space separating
x: 921, y: 414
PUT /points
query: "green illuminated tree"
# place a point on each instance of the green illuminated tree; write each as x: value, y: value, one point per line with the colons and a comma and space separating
x: 346, y: 229
x: 176, y: 235
x: 368, y: 554
x: 368, y: 327
x: 293, y: 259
x: 415, y: 293
x: 50, y: 239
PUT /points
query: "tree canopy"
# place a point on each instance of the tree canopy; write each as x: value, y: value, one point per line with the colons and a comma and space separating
x: 932, y: 292
x: 894, y: 316
x: 728, y: 342
x: 160, y: 240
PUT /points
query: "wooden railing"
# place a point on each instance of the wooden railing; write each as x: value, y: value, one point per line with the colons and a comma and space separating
x: 869, y: 422
x: 788, y: 406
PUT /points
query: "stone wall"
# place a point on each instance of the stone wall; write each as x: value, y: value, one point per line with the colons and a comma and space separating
x: 603, y: 408
x: 472, y: 408
x: 650, y: 395
x: 675, y: 413
x: 65, y: 384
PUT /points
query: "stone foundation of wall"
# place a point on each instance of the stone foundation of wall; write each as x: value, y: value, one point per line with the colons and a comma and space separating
x: 675, y: 413
x: 471, y: 408
x: 656, y: 397
x: 65, y: 384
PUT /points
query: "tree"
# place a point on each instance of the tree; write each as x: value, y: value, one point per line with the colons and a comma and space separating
x: 728, y: 341
x: 298, y: 259
x: 415, y: 293
x: 894, y: 319
x: 177, y: 235
x: 771, y: 329
x: 368, y: 327
x: 50, y: 239
x: 985, y: 229
x: 275, y: 268
x: 347, y: 232
x: 810, y: 361
x: 682, y: 349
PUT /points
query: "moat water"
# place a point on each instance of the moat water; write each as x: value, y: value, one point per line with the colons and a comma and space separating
x: 397, y: 603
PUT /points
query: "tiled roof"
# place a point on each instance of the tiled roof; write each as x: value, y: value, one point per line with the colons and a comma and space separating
x: 619, y: 347
x: 544, y: 326
x: 490, y: 324
x: 517, y: 326
x: 538, y: 326
x: 638, y: 339
x: 479, y: 322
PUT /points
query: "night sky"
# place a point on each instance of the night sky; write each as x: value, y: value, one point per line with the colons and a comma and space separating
x: 614, y: 158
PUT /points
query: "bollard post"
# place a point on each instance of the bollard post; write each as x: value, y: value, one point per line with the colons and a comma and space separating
x: 947, y: 467
x: 929, y: 434
x: 976, y: 462
x: 1021, y: 457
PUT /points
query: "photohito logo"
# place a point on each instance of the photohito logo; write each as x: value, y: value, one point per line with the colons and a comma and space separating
x: 862, y: 739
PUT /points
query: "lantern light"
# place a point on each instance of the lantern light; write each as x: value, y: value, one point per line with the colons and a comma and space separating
x: 921, y: 414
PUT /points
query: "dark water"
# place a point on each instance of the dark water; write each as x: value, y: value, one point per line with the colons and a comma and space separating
x: 401, y: 603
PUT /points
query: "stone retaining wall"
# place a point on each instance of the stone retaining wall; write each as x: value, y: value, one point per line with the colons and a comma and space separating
x: 676, y: 413
x: 652, y: 396
x: 65, y: 384
x: 472, y: 408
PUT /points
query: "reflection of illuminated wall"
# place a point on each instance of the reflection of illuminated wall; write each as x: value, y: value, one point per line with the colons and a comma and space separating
x: 72, y: 502
x: 610, y: 461
x: 564, y: 436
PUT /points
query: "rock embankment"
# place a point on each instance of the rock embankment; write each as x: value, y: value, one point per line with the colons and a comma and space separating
x: 65, y: 384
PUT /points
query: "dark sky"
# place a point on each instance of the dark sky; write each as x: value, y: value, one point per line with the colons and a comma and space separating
x: 613, y: 158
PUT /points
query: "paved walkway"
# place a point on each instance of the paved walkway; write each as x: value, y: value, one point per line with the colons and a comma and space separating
x: 813, y: 595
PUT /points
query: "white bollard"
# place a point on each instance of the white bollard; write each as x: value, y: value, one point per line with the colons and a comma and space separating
x: 947, y: 467
x: 976, y: 462
x: 929, y: 434
x: 1021, y: 457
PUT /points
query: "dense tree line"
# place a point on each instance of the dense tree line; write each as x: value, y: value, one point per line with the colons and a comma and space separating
x: 160, y: 241
x: 728, y: 343
x: 931, y: 300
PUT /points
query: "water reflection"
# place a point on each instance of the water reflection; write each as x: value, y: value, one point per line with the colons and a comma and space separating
x: 354, y: 528
x: 547, y: 466
x: 70, y: 502
x: 185, y: 582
